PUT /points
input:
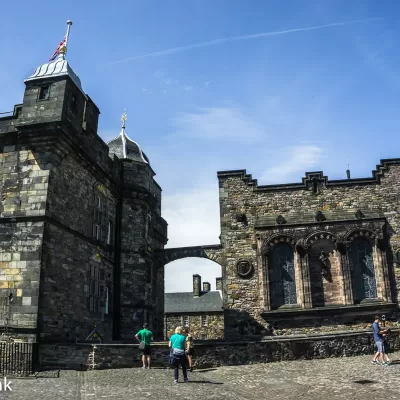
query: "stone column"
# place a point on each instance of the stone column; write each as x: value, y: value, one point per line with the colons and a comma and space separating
x: 381, y: 271
x: 263, y: 277
x: 343, y: 249
x: 302, y: 271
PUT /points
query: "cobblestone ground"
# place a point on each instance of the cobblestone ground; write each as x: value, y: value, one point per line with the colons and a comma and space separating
x: 339, y: 378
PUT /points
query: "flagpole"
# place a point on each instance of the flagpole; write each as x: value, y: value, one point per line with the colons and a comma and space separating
x: 69, y: 23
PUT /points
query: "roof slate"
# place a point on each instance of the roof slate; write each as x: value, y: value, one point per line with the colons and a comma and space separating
x: 185, y: 302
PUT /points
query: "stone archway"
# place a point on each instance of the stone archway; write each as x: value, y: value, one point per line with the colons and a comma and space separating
x: 211, y: 252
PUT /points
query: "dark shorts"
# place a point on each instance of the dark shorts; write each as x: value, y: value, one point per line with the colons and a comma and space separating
x: 190, y: 352
x: 146, y: 351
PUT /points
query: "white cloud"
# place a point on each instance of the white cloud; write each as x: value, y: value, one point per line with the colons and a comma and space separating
x: 193, y: 218
x: 219, y: 124
x: 294, y: 162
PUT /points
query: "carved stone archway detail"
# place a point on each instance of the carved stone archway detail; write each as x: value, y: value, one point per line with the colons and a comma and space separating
x: 211, y: 252
x: 269, y: 243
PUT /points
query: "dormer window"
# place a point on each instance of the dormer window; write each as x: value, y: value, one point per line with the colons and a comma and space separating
x: 44, y: 93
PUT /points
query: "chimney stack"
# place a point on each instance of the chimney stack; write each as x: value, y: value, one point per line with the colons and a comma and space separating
x: 218, y: 283
x: 196, y: 285
x: 206, y: 287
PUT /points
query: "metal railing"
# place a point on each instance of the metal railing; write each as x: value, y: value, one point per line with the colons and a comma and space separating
x: 16, y: 358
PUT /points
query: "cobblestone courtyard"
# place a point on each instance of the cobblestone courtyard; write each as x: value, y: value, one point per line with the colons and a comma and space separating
x: 349, y: 378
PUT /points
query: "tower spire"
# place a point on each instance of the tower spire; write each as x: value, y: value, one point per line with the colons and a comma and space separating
x: 124, y: 118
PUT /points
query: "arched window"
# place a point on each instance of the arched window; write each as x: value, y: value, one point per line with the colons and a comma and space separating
x: 363, y: 271
x: 282, y: 276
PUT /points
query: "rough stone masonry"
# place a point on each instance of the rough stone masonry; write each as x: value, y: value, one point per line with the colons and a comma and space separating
x: 79, y: 220
x: 319, y: 254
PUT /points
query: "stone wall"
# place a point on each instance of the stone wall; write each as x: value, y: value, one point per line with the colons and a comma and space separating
x: 213, y: 353
x: 248, y: 219
x: 53, y: 169
x: 213, y: 330
x: 142, y: 277
x: 64, y: 312
x: 23, y: 189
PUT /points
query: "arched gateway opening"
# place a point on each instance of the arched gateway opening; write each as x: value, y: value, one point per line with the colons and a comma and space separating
x: 193, y: 291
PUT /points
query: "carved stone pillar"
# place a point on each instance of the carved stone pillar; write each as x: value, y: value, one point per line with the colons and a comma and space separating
x: 302, y: 269
x: 263, y: 275
x: 343, y: 249
x: 381, y: 270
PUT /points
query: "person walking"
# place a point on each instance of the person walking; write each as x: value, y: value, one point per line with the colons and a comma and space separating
x: 378, y: 338
x: 144, y: 337
x: 190, y: 348
x: 177, y: 343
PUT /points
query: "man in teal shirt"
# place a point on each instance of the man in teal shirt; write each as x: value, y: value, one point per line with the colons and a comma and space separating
x: 145, y: 336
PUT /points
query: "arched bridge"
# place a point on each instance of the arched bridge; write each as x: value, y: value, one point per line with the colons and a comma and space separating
x: 211, y: 252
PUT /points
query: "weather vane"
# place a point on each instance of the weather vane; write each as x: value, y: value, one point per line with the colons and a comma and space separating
x: 124, y: 118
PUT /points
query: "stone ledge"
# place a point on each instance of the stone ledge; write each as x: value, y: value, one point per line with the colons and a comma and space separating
x: 215, y: 353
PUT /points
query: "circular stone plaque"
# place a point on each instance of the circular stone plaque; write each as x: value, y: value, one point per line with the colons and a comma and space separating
x: 244, y: 268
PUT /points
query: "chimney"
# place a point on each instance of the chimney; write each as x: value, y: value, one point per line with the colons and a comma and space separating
x: 196, y: 285
x: 218, y: 283
x: 206, y: 287
x: 348, y: 171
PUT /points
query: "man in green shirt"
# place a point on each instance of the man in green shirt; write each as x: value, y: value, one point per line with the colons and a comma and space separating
x: 145, y: 336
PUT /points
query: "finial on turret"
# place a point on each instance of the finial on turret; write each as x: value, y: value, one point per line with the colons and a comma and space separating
x: 62, y: 47
x: 124, y: 118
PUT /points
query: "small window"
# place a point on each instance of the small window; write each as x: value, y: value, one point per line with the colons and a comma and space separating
x: 44, y: 93
x: 96, y: 231
x: 204, y: 320
x: 185, y: 321
x: 109, y: 233
x: 73, y: 105
x: 107, y: 300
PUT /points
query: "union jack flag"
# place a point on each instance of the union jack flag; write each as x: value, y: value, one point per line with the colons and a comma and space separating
x: 57, y: 52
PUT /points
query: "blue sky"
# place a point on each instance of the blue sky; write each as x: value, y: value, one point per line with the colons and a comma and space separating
x: 277, y: 105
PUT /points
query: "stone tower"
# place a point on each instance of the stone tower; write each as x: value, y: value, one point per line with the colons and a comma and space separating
x: 79, y: 222
x: 142, y: 279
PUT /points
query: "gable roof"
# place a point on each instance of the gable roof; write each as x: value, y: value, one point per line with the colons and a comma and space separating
x: 185, y: 302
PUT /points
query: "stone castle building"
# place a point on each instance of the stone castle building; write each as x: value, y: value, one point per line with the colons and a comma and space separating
x: 80, y: 221
x: 314, y: 255
x: 82, y: 238
x: 201, y: 311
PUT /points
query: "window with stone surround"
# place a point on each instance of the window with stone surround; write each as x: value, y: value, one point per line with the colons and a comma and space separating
x: 106, y: 306
x: 282, y: 276
x: 44, y: 93
x: 185, y: 321
x: 110, y: 233
x: 97, y: 215
x: 363, y: 271
x: 94, y: 289
x: 204, y: 321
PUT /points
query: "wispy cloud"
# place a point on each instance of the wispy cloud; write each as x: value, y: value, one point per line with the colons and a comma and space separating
x: 215, y: 42
x: 219, y: 124
x: 297, y: 160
